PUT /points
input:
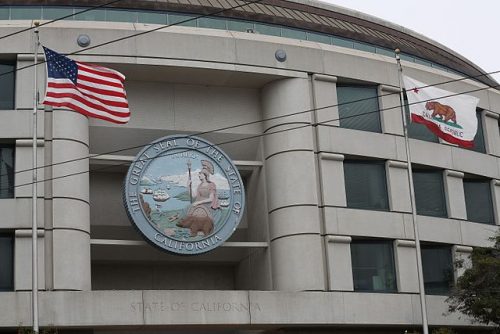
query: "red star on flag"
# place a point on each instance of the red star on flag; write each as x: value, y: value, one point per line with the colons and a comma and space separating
x: 415, y: 90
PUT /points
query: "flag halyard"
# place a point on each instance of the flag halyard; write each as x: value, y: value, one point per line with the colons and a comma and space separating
x: 450, y: 116
x: 92, y: 90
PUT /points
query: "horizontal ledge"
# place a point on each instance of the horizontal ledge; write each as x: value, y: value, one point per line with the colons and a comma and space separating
x: 397, y: 164
x: 29, y: 142
x: 389, y: 89
x: 324, y: 78
x: 28, y: 233
x: 463, y: 249
x: 491, y: 114
x: 30, y: 57
x: 454, y: 173
x: 405, y: 243
x: 331, y: 156
x: 110, y: 158
x: 116, y: 242
x: 339, y: 239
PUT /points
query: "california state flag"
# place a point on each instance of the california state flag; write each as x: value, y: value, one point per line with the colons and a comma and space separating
x: 450, y: 116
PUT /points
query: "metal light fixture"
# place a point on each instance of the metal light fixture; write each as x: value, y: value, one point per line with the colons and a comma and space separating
x: 83, y: 40
x: 280, y: 55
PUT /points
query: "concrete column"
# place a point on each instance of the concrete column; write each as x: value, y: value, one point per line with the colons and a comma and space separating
x: 70, y: 219
x: 462, y: 254
x: 22, y: 260
x: 454, y: 189
x: 327, y: 111
x: 332, y: 179
x: 491, y: 132
x: 406, y: 266
x: 495, y: 191
x: 390, y: 110
x: 397, y: 186
x: 292, y: 187
x: 339, y: 263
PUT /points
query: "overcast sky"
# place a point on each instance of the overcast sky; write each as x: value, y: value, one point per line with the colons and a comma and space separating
x: 470, y: 28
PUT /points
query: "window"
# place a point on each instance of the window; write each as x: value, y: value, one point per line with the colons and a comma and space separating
x: 358, y: 108
x: 366, y: 185
x: 417, y: 130
x: 479, y: 145
x: 429, y: 193
x: 437, y: 266
x: 7, y: 83
x: 6, y: 262
x: 6, y: 171
x: 478, y: 201
x: 373, y: 266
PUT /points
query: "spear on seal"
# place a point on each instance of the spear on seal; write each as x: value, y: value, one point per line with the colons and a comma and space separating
x: 189, y: 177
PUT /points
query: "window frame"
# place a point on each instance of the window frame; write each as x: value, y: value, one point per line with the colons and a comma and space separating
x: 385, y: 190
x: 486, y: 182
x: 377, y: 127
x: 13, y: 99
x: 388, y: 245
x: 10, y: 236
x: 444, y: 197
x: 451, y: 281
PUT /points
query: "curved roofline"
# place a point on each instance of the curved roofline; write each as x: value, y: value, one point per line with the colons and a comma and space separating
x: 388, y: 24
x: 309, y: 15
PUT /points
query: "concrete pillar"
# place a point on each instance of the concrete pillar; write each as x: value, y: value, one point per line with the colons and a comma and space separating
x: 398, y: 187
x: 22, y: 260
x: 339, y: 263
x: 68, y: 201
x: 454, y: 189
x: 292, y: 189
x: 390, y: 110
x: 491, y: 132
x: 332, y: 179
x: 462, y: 254
x: 406, y: 266
x: 325, y: 98
x: 23, y: 190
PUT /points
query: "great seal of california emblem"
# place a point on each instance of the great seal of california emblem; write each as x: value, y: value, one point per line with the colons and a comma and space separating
x: 184, y: 195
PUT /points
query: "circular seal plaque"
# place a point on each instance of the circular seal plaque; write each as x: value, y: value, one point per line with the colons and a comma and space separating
x: 184, y: 195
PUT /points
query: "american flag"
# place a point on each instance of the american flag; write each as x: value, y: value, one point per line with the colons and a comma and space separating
x: 89, y: 89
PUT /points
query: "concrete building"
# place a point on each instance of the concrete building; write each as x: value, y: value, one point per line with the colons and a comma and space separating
x: 326, y: 243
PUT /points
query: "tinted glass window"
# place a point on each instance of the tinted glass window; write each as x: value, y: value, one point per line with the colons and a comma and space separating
x: 91, y: 15
x: 7, y: 83
x: 6, y: 262
x: 25, y: 13
x: 437, y: 266
x: 52, y: 13
x: 150, y: 17
x: 6, y: 171
x: 478, y: 201
x: 373, y: 266
x: 366, y: 185
x: 187, y: 20
x: 358, y: 108
x: 121, y: 15
x: 429, y: 193
x: 479, y: 145
x: 208, y: 22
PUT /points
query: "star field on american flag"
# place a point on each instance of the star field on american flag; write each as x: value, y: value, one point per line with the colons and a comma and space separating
x: 59, y: 66
x: 91, y: 90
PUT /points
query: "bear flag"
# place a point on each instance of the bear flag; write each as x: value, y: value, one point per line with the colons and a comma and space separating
x: 451, y: 116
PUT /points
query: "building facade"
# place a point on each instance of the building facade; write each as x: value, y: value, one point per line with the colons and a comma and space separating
x: 304, y: 98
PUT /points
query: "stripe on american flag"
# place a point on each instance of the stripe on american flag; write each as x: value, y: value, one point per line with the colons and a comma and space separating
x: 98, y: 92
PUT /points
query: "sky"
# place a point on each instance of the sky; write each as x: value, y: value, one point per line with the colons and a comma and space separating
x: 470, y: 28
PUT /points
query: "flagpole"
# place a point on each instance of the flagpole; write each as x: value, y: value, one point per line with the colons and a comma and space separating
x: 34, y: 232
x: 420, y: 274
